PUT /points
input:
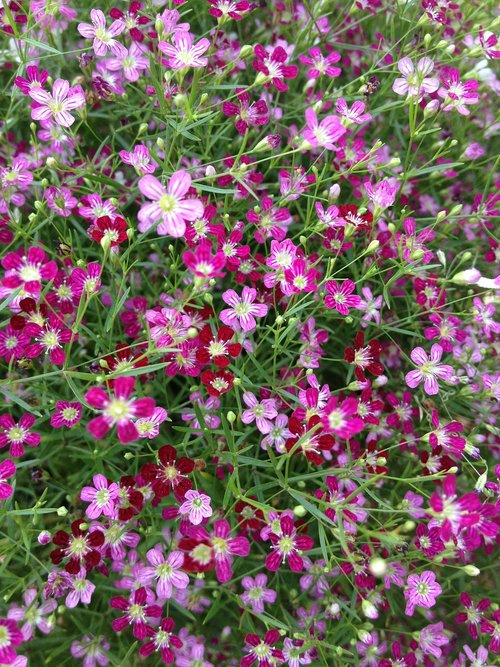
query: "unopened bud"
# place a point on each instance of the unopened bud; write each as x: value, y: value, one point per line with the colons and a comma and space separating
x: 210, y: 170
x: 441, y: 216
x: 192, y: 332
x: 128, y: 456
x: 231, y: 417
x: 299, y: 510
x: 246, y: 50
x: 44, y: 537
x: 378, y: 567
x: 373, y: 245
x: 471, y: 570
x: 62, y: 511
x: 51, y: 162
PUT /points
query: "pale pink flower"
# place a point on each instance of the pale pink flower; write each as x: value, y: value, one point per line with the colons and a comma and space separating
x: 356, y: 114
x: 428, y: 369
x: 197, y: 506
x: 184, y: 52
x: 168, y: 207
x: 415, y: 81
x: 104, y: 38
x: 139, y: 158
x: 165, y: 571
x: 101, y: 497
x: 243, y: 309
x: 322, y: 134
x: 259, y: 411
x: 132, y: 62
x: 58, y: 104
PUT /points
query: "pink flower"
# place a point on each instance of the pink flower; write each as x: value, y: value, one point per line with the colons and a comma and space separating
x: 256, y: 594
x: 137, y: 610
x: 13, y: 343
x: 202, y: 263
x: 428, y: 369
x: 36, y: 79
x: 432, y: 638
x: 355, y: 114
x: 167, y: 572
x: 118, y: 410
x: 224, y: 547
x: 132, y: 62
x: 11, y: 637
x: 139, y: 158
x: 341, y: 296
x: 422, y: 591
x: 49, y: 339
x: 58, y: 104
x: 320, y: 64
x: 247, y: 114
x: 457, y: 94
x: 16, y: 435
x: 7, y: 469
x: 197, y: 506
x: 101, y: 497
x: 86, y: 281
x: 169, y: 206
x: 324, y: 134
x: 243, y: 309
x: 286, y: 545
x: 81, y: 590
x: 184, y: 52
x: 262, y: 651
x: 149, y: 427
x: 162, y: 640
x: 415, y: 81
x: 260, y: 412
x: 104, y: 38
x: 383, y: 193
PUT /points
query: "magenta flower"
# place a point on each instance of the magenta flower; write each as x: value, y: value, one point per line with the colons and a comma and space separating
x: 167, y: 572
x: 415, y: 81
x: 58, y: 104
x: 224, y: 547
x: 356, y: 114
x: 86, y: 281
x: 162, y: 640
x: 259, y: 411
x: 66, y: 414
x: 272, y: 67
x: 101, y: 497
x: 320, y: 64
x: 35, y: 79
x: 202, y: 263
x: 49, y: 339
x: 139, y: 158
x: 137, y: 611
x: 341, y: 418
x: 322, y: 134
x: 428, y: 369
x: 11, y: 637
x: 149, y: 427
x: 341, y: 296
x: 383, y: 193
x: 184, y: 52
x: 12, y: 343
x: 422, y: 591
x: 16, y: 435
x: 247, y: 114
x: 256, y: 594
x: 104, y: 38
x: 243, y: 309
x: 92, y: 650
x: 197, y: 506
x: 131, y: 62
x: 118, y: 410
x: 286, y: 545
x: 7, y: 469
x: 432, y: 638
x: 169, y: 206
x: 262, y: 651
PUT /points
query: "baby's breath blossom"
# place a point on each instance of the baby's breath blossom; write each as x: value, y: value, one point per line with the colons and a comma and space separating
x: 56, y: 105
x: 197, y: 506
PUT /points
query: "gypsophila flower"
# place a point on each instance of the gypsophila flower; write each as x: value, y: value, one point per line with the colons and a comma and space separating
x: 196, y: 506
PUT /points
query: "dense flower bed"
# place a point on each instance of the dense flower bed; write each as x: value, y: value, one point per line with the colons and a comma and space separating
x: 249, y: 276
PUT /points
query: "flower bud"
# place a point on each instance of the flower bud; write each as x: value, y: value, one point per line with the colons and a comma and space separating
x: 246, y: 50
x: 471, y: 570
x: 373, y: 245
x: 299, y: 510
x: 231, y: 417
x: 62, y: 511
x: 467, y: 277
x: 44, y: 537
x: 378, y: 567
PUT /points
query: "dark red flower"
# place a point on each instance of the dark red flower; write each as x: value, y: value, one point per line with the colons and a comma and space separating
x: 216, y: 348
x: 169, y: 474
x: 364, y: 357
x: 80, y: 547
x: 217, y: 383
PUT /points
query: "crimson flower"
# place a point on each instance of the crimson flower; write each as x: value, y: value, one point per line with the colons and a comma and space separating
x: 80, y: 548
x: 162, y: 640
x: 113, y: 229
x: 364, y: 357
x: 286, y: 545
x: 137, y: 611
x: 262, y: 651
x: 272, y: 65
x: 169, y: 474
x: 217, y: 383
x: 216, y: 347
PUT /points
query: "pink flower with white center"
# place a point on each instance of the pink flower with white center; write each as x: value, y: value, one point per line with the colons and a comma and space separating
x: 101, y: 497
x: 272, y: 67
x: 94, y: 207
x: 66, y: 414
x: 446, y: 436
x: 35, y: 79
x: 17, y: 174
x: 166, y: 572
x: 341, y: 418
x: 49, y: 339
x: 149, y: 427
x: 169, y: 206
x: 58, y: 104
x: 294, y: 183
x: 202, y: 263
x: 104, y: 38
x: 227, y: 9
x: 432, y: 638
x: 162, y: 640
x: 12, y: 343
x: 26, y: 270
x: 451, y: 513
x: 356, y: 114
x: 341, y: 297
x: 256, y: 594
x: 118, y: 410
x: 370, y: 306
x: 10, y: 637
x: 184, y: 52
x: 81, y: 590
x: 262, y: 651
x: 259, y: 411
x: 243, y: 310
x: 286, y: 545
x: 320, y: 64
x: 92, y: 650
x: 330, y: 217
x: 137, y: 611
x: 428, y: 369
x: 416, y: 80
x: 33, y: 615
x: 248, y: 114
x: 60, y: 200
x: 224, y: 547
x: 7, y: 470
x: 422, y: 591
x: 457, y: 94
x: 383, y: 193
x: 132, y: 62
x: 300, y: 277
x: 140, y: 159
x: 324, y: 134
x: 86, y: 281
x: 197, y: 506
x: 167, y: 326
x: 16, y: 435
